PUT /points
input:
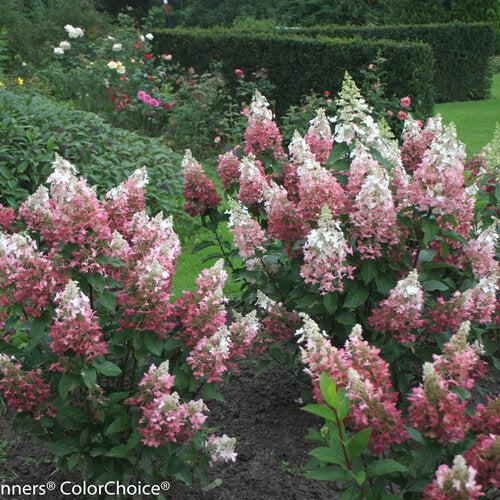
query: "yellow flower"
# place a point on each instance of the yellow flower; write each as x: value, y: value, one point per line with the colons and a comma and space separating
x: 19, y: 81
x: 2, y: 85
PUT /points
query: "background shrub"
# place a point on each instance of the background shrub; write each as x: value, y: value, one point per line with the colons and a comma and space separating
x: 298, y: 65
x: 33, y: 25
x: 33, y: 128
x: 462, y: 53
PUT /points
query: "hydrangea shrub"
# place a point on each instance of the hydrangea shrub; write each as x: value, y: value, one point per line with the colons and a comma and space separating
x: 97, y: 358
x: 379, y: 254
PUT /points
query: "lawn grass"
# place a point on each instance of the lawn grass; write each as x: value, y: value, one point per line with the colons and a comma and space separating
x: 475, y: 120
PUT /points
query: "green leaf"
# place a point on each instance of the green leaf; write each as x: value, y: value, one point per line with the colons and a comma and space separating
x: 108, y: 300
x: 210, y: 393
x: 384, y: 283
x: 368, y: 271
x: 66, y: 384
x: 328, y: 388
x: 320, y: 411
x: 97, y: 281
x: 359, y: 476
x: 415, y: 435
x: 338, y: 152
x: 432, y: 285
x: 430, y: 229
x: 61, y: 448
x: 329, y: 455
x: 358, y: 443
x: 330, y: 302
x: 202, y: 245
x: 120, y: 451
x: 107, y: 368
x: 351, y: 493
x: 153, y: 343
x: 37, y: 330
x: 119, y: 425
x: 355, y: 297
x: 426, y: 255
x: 384, y: 466
x: 89, y: 376
x: 328, y: 474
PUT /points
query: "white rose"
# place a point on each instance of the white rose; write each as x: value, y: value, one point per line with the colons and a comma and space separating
x: 142, y: 38
x: 65, y: 45
x: 112, y: 65
x: 117, y: 47
x: 120, y: 69
x: 58, y: 51
x: 111, y: 38
x: 68, y: 28
x: 149, y: 36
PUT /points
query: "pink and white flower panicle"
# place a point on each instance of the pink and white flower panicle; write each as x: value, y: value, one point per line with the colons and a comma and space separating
x: 401, y: 312
x: 325, y: 255
x: 457, y: 483
x: 220, y: 449
x: 75, y: 327
x: 319, y: 136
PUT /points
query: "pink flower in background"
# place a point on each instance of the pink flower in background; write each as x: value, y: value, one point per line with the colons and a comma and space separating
x: 7, y: 217
x: 319, y: 137
x: 371, y: 67
x: 217, y: 139
x: 154, y: 103
x: 254, y: 183
x: 486, y: 417
x: 402, y: 115
x: 245, y: 111
x: 405, y: 102
x: 239, y: 73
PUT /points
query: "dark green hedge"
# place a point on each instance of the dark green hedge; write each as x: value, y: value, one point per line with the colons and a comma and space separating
x: 461, y: 52
x: 298, y: 65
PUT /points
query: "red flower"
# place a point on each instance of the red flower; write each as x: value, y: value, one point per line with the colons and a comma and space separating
x: 138, y: 44
x: 239, y: 73
x: 327, y: 92
x: 148, y: 56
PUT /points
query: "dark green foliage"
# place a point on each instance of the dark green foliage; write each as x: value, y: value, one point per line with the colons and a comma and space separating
x: 33, y: 129
x: 34, y: 26
x: 298, y: 65
x: 462, y: 53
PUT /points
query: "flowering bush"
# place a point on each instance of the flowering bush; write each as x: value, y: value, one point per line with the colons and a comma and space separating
x: 97, y: 360
x: 353, y: 232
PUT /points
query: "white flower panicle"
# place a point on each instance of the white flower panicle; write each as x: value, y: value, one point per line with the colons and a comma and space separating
x: 320, y: 125
x: 259, y: 108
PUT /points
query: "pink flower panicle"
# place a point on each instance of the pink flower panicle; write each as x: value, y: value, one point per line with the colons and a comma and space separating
x: 435, y: 411
x: 200, y: 193
x: 164, y: 418
x: 371, y: 408
x: 360, y: 370
x: 438, y: 182
x: 416, y: 142
x: 123, y: 201
x: 72, y: 215
x: 25, y: 392
x: 319, y: 137
x: 228, y: 169
x: 244, y: 333
x: 278, y: 323
x: 480, y: 252
x: 325, y: 255
x: 316, y: 185
x: 486, y: 417
x: 75, y: 327
x: 220, y: 449
x: 7, y: 217
x: 484, y: 457
x: 373, y: 218
x: 262, y: 135
x: 457, y: 483
x: 254, y: 183
x: 460, y: 363
x: 247, y: 234
x: 210, y: 356
x: 401, y: 312
x: 284, y: 220
x: 201, y: 313
x: 27, y: 277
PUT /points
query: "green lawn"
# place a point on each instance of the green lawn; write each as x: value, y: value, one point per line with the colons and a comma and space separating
x: 475, y: 120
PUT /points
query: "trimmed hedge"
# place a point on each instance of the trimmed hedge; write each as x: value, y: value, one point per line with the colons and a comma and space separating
x: 462, y: 53
x: 33, y: 128
x: 298, y: 65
